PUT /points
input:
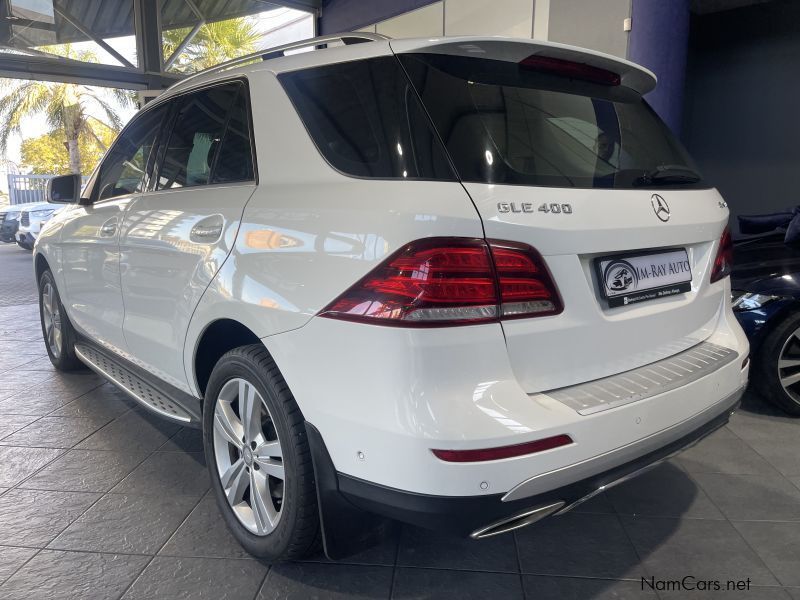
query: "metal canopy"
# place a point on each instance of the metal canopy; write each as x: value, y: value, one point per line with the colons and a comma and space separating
x: 27, y: 24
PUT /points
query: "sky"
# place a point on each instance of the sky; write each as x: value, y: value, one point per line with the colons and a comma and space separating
x: 278, y: 26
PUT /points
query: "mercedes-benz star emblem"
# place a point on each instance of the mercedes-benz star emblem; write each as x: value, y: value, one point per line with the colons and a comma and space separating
x: 660, y: 207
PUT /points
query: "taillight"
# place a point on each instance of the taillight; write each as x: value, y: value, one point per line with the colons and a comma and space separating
x: 723, y: 263
x: 451, y: 281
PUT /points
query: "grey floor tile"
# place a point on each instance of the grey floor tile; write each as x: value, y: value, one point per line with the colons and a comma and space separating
x: 569, y: 545
x: 54, y: 432
x: 34, y: 517
x: 571, y: 588
x: 778, y: 545
x: 769, y: 497
x: 749, y: 426
x: 204, y: 534
x: 723, y: 455
x: 21, y: 381
x: 18, y: 463
x: 53, y: 575
x: 126, y: 524
x: 706, y: 549
x: 197, y: 579
x: 11, y: 423
x: 47, y: 396
x: 33, y: 403
x: 165, y: 473
x: 103, y: 402
x: 783, y: 454
x: 133, y: 431
x: 384, y: 553
x: 185, y: 440
x: 666, y: 491
x: 423, y: 548
x: 435, y: 584
x: 315, y: 581
x: 85, y: 471
x: 794, y: 593
x: 12, y: 558
x: 601, y: 504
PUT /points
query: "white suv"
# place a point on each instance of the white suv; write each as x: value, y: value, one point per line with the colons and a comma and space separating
x: 32, y: 218
x: 464, y: 283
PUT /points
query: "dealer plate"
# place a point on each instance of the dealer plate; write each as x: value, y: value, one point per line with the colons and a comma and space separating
x: 630, y: 278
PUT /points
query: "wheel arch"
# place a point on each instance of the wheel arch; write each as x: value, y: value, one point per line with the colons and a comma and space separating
x: 218, y: 337
x: 40, y: 265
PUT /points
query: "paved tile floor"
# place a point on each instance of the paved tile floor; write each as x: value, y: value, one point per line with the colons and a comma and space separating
x: 100, y: 500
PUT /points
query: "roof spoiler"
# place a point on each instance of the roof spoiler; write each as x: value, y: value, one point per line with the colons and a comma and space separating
x: 631, y: 75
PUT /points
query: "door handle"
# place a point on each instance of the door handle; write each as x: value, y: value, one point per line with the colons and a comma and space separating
x: 207, y: 230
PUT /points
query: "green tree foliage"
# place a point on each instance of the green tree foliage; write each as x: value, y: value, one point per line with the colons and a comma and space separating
x: 213, y: 44
x: 68, y: 109
x: 47, y: 154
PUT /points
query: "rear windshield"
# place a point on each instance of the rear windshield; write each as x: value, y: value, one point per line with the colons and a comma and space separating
x: 502, y: 123
x: 493, y: 121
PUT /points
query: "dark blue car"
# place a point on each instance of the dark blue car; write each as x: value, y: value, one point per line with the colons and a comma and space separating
x: 766, y: 300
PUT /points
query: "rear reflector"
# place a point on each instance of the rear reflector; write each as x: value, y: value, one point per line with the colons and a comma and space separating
x: 451, y: 281
x: 485, y: 454
x: 570, y: 69
x: 723, y: 263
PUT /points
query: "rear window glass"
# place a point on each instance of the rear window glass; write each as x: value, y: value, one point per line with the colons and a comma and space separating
x: 367, y: 121
x: 501, y: 123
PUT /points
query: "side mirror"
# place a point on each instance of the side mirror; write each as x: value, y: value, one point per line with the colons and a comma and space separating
x: 64, y: 189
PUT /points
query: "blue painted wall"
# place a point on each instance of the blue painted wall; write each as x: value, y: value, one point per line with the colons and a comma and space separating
x: 349, y: 15
x: 659, y: 40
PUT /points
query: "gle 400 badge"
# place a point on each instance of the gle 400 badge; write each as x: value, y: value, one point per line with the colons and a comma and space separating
x: 626, y: 279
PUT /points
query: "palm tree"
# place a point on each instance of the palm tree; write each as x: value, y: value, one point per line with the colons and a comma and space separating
x: 213, y: 44
x: 69, y: 108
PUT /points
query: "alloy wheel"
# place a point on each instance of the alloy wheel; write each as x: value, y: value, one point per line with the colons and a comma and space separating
x: 51, y: 315
x: 249, y: 457
x: 789, y: 366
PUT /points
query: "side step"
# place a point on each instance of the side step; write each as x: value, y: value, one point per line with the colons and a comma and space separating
x: 134, y: 385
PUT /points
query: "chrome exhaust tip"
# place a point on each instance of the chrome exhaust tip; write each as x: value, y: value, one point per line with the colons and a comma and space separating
x: 517, y: 521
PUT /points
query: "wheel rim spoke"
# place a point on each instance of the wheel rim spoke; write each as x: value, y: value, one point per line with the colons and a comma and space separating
x: 227, y: 425
x: 790, y: 379
x: 272, y: 467
x: 263, y: 510
x: 235, y: 481
x: 249, y: 410
x: 787, y: 363
x: 269, y: 450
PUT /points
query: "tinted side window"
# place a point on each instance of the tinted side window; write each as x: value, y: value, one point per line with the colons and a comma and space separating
x: 234, y: 161
x: 366, y: 120
x: 196, y: 137
x: 123, y: 169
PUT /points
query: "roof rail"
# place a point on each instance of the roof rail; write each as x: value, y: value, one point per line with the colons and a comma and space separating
x: 278, y: 51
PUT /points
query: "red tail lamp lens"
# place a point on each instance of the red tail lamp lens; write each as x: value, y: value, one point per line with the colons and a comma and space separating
x: 570, y: 69
x: 723, y: 263
x: 501, y: 452
x: 451, y: 281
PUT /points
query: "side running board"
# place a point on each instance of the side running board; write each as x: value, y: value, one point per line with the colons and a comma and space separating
x: 137, y: 387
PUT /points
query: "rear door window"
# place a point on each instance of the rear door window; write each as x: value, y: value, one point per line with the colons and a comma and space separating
x: 210, y: 139
x: 366, y: 120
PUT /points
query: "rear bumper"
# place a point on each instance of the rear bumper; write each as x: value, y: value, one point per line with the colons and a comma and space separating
x: 463, y: 515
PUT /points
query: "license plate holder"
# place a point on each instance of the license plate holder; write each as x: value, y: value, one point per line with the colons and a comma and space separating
x: 634, y: 277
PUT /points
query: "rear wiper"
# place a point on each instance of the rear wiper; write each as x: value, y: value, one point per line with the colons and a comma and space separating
x: 668, y: 174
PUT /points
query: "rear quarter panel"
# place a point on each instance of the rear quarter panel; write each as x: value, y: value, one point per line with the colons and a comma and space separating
x: 309, y: 232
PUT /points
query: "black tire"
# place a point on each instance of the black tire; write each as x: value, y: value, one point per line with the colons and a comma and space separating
x: 297, y: 532
x: 765, y: 376
x: 63, y: 359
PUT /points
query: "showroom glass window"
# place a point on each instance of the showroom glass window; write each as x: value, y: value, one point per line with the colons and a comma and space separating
x: 210, y: 139
x: 123, y: 170
x: 367, y: 121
